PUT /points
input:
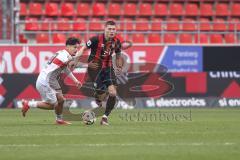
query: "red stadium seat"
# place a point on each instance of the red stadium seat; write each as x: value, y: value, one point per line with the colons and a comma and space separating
x: 51, y: 9
x: 206, y: 9
x: 192, y: 9
x: 130, y: 9
x: 42, y: 38
x: 83, y: 9
x: 189, y: 25
x: 222, y: 9
x: 205, y: 24
x: 201, y: 38
x: 154, y: 38
x: 98, y: 9
x: 46, y: 24
x: 156, y: 24
x: 127, y: 24
x: 35, y: 9
x: 96, y: 24
x: 234, y: 24
x: 235, y: 9
x: 160, y: 9
x: 170, y: 38
x: 79, y: 24
x: 185, y: 38
x: 216, y: 38
x: 76, y: 35
x: 176, y: 9
x: 114, y: 9
x: 173, y: 24
x: 230, y: 38
x: 145, y: 9
x: 219, y: 25
x: 67, y: 9
x: 142, y: 24
x: 23, y: 9
x: 22, y: 39
x: 64, y: 25
x: 58, y: 38
x: 138, y: 38
x: 31, y: 24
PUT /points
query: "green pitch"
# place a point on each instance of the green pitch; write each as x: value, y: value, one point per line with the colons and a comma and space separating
x: 177, y: 134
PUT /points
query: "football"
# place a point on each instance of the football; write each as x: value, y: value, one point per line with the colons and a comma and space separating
x: 88, y: 117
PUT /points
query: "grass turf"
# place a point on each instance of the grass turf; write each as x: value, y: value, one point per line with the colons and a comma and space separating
x: 133, y: 134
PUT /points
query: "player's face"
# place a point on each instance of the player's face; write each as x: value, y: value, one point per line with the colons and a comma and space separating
x: 110, y: 31
x: 72, y: 49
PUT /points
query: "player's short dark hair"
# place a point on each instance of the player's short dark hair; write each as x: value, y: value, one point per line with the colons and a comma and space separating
x: 72, y: 41
x: 110, y: 23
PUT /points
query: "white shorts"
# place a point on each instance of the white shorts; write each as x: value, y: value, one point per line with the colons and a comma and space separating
x: 47, y: 93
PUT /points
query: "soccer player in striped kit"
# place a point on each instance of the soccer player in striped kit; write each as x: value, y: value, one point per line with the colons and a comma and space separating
x: 47, y: 82
x: 100, y: 67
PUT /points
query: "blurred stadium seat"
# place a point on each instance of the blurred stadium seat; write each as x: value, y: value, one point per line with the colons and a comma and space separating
x: 156, y: 24
x: 176, y: 9
x: 142, y: 24
x: 222, y: 9
x: 51, y: 9
x: 31, y: 24
x: 114, y: 9
x: 145, y: 9
x: 219, y: 25
x: 205, y: 24
x: 83, y: 9
x: 79, y: 24
x: 58, y: 38
x: 235, y: 9
x: 160, y: 9
x: 216, y: 38
x: 189, y: 24
x: 67, y: 9
x: 185, y: 38
x: 169, y: 38
x: 96, y: 24
x: 201, y: 38
x: 64, y: 25
x: 130, y: 9
x: 42, y: 38
x: 192, y: 9
x: 23, y: 9
x: 206, y: 9
x: 35, y: 9
x: 98, y: 9
x: 154, y: 38
x: 173, y: 24
x: 230, y: 38
x: 138, y: 38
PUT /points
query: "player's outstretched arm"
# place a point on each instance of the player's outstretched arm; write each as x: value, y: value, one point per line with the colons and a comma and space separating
x: 75, y: 80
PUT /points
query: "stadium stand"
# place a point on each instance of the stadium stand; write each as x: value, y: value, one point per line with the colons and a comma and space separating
x: 193, y: 21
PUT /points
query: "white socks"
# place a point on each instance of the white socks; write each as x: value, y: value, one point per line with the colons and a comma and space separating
x: 32, y: 104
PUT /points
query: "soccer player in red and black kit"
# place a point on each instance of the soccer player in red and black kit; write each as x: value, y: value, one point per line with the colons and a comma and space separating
x: 100, y: 66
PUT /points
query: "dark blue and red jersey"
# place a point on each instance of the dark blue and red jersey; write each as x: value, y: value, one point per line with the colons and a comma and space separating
x: 102, y: 49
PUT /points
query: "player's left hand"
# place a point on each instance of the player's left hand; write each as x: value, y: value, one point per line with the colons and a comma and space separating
x: 78, y: 84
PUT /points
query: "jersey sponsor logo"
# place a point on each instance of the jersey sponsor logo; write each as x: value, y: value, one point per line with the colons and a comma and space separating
x: 89, y: 43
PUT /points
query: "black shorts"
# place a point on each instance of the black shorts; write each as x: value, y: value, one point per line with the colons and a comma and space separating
x: 102, y: 78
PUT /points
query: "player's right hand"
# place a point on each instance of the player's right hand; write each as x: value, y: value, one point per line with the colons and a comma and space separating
x: 93, y: 65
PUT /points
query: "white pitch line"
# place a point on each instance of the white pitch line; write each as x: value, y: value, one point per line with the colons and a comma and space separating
x: 79, y: 134
x: 117, y: 144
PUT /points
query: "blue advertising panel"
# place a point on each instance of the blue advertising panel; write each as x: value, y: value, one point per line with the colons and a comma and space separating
x: 183, y: 58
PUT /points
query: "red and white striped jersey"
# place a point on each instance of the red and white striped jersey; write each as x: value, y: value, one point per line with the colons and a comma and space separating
x: 55, y: 66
